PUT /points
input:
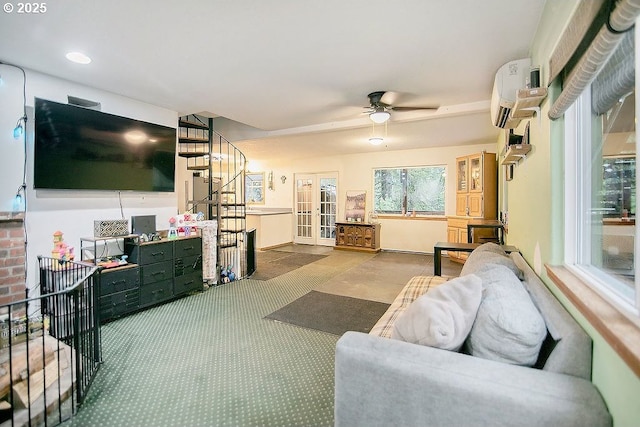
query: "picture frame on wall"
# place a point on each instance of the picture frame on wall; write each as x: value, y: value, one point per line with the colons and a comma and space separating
x: 355, y: 206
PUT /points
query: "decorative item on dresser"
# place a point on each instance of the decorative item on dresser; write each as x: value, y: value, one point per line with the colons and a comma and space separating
x: 476, y: 200
x: 358, y: 236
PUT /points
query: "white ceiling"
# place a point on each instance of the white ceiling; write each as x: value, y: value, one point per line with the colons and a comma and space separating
x: 289, y: 68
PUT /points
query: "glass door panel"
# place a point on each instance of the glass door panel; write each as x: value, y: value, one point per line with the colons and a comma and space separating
x: 328, y: 210
x: 475, y: 170
x: 316, y: 208
x: 304, y: 209
x: 461, y: 175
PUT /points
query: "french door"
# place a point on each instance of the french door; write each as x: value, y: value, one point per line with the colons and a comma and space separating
x: 316, y: 208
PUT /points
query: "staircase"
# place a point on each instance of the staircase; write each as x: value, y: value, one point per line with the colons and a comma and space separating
x: 218, y: 190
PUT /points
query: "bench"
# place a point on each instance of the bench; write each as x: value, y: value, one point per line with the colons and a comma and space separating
x: 458, y: 247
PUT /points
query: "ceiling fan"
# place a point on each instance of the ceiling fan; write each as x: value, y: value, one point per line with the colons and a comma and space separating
x: 379, y: 109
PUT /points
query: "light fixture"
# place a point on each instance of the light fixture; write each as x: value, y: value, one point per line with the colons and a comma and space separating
x: 379, y: 115
x: 19, y: 129
x: 78, y: 58
x: 377, y: 138
x: 17, y: 205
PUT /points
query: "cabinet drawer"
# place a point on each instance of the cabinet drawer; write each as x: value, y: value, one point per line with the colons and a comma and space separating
x: 156, y: 292
x: 457, y: 222
x: 156, y: 272
x: 188, y: 283
x: 188, y: 265
x: 120, y: 303
x: 119, y: 280
x: 187, y: 247
x: 149, y: 253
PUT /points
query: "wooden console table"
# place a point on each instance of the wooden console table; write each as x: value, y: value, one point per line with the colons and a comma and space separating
x: 358, y: 236
x: 459, y: 247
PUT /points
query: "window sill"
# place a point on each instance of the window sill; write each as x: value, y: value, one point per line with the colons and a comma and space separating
x: 622, y: 334
x: 415, y: 218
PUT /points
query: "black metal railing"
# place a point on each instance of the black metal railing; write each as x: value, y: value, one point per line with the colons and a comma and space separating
x: 225, y: 166
x: 50, y: 345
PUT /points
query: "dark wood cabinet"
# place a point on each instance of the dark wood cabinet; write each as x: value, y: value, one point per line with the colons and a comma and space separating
x: 168, y: 268
x: 358, y: 236
x: 119, y: 291
x: 156, y: 272
x: 187, y: 266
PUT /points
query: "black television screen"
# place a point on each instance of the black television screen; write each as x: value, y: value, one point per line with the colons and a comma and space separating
x: 77, y: 148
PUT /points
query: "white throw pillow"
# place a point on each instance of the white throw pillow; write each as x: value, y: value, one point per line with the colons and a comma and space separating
x: 508, y: 326
x: 443, y: 316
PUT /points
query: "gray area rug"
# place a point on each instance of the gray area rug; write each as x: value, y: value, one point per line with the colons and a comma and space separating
x: 330, y: 313
x: 271, y: 264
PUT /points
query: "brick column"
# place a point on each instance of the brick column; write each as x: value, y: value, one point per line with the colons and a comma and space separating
x: 12, y: 257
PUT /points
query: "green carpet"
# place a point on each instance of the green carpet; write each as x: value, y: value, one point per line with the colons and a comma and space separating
x: 212, y: 360
x: 330, y: 313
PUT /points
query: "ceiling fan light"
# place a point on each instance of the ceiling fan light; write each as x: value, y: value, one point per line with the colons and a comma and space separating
x: 379, y: 116
x: 375, y: 140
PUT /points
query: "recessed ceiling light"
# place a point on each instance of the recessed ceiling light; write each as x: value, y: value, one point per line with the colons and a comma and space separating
x: 78, y: 57
x: 375, y: 140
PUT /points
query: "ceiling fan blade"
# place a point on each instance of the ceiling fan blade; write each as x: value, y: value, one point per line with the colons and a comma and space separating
x: 412, y: 108
x: 389, y: 98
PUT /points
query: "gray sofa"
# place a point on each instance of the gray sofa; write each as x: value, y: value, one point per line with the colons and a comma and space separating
x: 386, y: 382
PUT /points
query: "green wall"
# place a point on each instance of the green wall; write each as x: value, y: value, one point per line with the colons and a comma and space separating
x: 535, y: 202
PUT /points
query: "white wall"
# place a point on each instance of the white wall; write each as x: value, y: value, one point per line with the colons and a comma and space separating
x: 355, y: 172
x: 71, y: 212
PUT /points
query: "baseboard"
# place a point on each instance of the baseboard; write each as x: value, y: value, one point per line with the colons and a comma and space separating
x: 266, y: 248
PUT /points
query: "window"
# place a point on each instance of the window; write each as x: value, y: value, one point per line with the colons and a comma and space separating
x: 408, y: 190
x: 600, y: 220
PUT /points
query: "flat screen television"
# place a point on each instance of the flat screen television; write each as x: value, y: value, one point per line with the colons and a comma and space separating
x: 77, y: 148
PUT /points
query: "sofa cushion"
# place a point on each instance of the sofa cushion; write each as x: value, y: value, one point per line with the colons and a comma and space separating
x: 508, y: 326
x: 491, y: 247
x: 489, y: 254
x: 415, y: 287
x: 442, y: 317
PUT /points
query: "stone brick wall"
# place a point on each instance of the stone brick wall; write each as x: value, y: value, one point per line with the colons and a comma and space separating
x: 12, y: 257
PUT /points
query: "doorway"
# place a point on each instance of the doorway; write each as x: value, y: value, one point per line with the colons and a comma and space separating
x: 315, y: 208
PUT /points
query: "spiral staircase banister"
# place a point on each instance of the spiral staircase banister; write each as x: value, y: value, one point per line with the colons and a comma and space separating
x: 222, y: 166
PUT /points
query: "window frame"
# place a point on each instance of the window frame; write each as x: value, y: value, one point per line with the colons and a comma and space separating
x: 254, y: 184
x: 404, y: 212
x: 578, y: 126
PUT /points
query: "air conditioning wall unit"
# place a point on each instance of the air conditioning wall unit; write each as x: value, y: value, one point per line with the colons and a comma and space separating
x: 510, y: 78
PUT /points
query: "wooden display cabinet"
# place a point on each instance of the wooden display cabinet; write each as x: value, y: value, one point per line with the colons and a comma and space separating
x: 476, y: 196
x: 358, y: 236
x: 477, y: 186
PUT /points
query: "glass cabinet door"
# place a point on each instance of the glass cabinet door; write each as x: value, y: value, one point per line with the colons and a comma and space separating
x: 462, y: 171
x: 475, y: 173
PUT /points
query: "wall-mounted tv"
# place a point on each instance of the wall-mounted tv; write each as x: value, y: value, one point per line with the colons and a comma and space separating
x: 77, y: 148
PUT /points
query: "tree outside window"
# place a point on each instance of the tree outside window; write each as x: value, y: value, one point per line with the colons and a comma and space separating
x: 409, y: 189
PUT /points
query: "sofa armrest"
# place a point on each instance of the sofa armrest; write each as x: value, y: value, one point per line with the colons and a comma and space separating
x: 382, y: 382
